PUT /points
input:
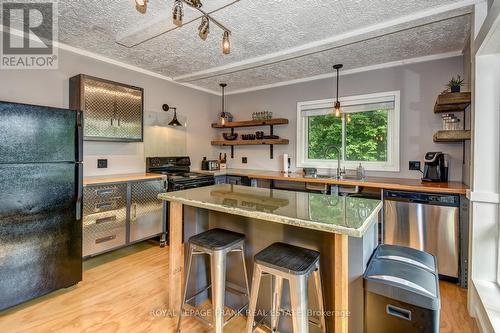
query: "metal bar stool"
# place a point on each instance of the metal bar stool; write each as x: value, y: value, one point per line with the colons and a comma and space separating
x: 216, y: 243
x: 296, y: 264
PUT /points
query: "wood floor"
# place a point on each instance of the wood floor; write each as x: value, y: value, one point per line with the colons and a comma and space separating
x: 125, y: 291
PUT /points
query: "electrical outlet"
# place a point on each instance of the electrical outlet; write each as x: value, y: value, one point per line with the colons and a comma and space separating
x: 415, y: 165
x: 102, y: 164
x: 244, y: 160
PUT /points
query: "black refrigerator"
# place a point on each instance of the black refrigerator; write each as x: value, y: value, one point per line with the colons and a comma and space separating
x: 40, y: 201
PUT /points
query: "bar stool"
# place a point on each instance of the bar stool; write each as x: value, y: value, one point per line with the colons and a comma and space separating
x: 216, y: 243
x: 296, y: 264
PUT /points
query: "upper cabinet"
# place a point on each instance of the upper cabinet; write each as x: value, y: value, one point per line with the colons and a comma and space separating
x: 112, y: 111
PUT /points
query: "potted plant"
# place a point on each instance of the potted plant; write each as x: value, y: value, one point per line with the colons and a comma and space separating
x: 455, y: 83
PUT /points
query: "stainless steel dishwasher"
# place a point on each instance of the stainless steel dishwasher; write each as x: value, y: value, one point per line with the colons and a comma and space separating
x: 427, y: 222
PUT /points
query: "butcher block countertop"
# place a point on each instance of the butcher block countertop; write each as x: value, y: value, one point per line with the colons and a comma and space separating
x: 94, y: 180
x: 404, y: 184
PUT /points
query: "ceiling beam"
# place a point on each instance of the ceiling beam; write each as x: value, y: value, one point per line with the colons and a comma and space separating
x: 421, y: 18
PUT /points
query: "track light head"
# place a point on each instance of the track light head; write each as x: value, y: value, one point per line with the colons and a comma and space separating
x: 177, y: 13
x: 141, y: 6
x: 204, y: 28
x: 194, y: 3
x: 226, y: 43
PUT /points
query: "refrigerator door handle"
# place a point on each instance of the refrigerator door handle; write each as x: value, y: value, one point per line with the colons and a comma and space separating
x: 79, y: 190
x: 79, y: 136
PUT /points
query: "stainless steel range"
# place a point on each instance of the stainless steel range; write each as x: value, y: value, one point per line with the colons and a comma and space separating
x: 177, y: 170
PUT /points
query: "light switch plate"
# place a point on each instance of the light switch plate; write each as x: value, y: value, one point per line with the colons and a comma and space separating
x: 414, y: 165
x: 244, y: 160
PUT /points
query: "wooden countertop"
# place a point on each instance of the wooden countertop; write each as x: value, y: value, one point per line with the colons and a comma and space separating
x: 120, y: 178
x: 387, y: 183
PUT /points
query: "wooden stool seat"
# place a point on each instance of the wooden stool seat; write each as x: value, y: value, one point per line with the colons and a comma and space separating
x: 288, y: 258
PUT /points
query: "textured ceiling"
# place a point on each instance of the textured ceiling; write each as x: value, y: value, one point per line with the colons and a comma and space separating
x: 259, y: 27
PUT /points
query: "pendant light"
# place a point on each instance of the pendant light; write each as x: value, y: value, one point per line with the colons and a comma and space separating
x: 174, y: 122
x: 222, y: 115
x: 141, y: 7
x: 338, y: 110
x: 226, y: 43
x: 177, y: 13
x: 204, y: 28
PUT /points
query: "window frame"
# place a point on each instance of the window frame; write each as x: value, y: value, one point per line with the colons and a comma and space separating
x: 393, y: 153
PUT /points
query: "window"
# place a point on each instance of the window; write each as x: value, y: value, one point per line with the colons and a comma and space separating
x: 367, y: 132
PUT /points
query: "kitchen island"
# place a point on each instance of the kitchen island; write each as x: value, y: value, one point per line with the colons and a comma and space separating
x: 342, y: 229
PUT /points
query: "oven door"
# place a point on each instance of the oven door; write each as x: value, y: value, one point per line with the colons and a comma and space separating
x: 172, y: 186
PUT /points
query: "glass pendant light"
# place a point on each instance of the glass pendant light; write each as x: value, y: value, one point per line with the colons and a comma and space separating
x: 338, y: 110
x: 222, y: 116
x: 204, y: 28
x: 141, y: 6
x: 226, y: 43
x: 177, y: 13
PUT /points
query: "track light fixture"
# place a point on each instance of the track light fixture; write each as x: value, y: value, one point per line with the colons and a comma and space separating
x: 338, y: 110
x: 141, y: 6
x: 177, y: 13
x: 204, y: 28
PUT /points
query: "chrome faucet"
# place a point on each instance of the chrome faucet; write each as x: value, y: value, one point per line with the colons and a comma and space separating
x: 339, y: 154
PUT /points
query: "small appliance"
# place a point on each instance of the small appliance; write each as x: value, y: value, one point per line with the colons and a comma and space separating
x: 435, y: 168
x: 209, y: 165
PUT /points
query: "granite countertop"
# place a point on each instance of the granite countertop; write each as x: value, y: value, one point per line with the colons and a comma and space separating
x: 350, y: 216
x: 388, y: 183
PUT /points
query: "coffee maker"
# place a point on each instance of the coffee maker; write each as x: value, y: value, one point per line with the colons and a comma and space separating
x: 436, y: 167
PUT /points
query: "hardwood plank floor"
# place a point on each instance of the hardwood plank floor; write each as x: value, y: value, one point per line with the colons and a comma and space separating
x: 126, y: 291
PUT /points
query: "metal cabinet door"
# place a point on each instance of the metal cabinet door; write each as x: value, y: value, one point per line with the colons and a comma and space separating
x: 146, y: 210
x: 99, y: 111
x: 429, y: 228
x: 128, y: 113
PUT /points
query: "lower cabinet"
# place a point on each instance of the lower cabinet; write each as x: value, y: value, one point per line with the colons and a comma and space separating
x: 115, y: 215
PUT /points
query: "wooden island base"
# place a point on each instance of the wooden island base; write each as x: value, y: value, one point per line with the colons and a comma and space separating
x: 341, y: 270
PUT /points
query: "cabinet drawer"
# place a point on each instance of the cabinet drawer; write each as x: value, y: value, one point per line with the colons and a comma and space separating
x: 104, y: 231
x: 98, y: 199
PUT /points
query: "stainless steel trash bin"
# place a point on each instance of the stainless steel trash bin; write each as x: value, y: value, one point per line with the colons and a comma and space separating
x: 400, y: 297
x: 408, y: 255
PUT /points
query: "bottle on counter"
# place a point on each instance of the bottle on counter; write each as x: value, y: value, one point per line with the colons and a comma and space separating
x: 222, y: 161
x: 360, y: 172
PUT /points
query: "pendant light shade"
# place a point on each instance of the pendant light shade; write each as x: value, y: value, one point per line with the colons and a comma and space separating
x: 338, y: 110
x: 204, y: 28
x: 141, y: 6
x: 177, y: 13
x: 226, y: 43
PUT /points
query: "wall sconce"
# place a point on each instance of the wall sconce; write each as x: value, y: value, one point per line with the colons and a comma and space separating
x: 174, y: 122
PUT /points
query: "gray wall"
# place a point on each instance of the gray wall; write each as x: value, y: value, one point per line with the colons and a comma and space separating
x: 50, y: 87
x: 419, y: 84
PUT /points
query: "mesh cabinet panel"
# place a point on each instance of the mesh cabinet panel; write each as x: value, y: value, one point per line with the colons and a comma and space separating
x: 112, y: 111
x: 146, y: 211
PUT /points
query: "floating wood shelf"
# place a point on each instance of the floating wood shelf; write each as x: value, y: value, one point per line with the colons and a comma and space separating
x: 452, y: 102
x: 252, y: 123
x: 250, y: 142
x: 452, y: 136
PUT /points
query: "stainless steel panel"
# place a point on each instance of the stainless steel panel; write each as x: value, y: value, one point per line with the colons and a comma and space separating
x: 429, y: 228
x: 104, y: 231
x: 104, y: 198
x: 146, y: 210
x: 112, y: 111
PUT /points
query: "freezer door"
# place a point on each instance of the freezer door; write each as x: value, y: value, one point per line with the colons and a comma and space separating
x: 40, y: 230
x: 30, y: 133
x: 429, y: 228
